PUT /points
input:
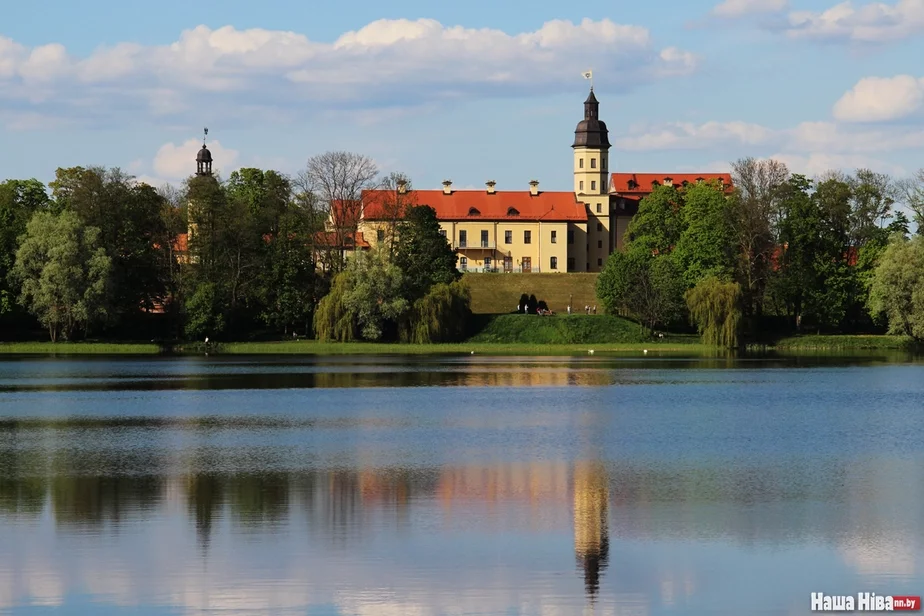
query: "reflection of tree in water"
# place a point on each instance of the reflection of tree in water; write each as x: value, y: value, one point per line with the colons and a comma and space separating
x: 591, y: 533
x: 204, y: 495
x: 259, y: 498
x: 89, y: 500
x: 22, y: 487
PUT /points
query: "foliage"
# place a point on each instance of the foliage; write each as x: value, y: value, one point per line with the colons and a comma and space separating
x: 657, y: 226
x: 705, y: 246
x: 715, y: 309
x: 560, y: 329
x: 650, y: 288
x: 204, y: 316
x: 439, y: 316
x: 334, y: 321
x: 422, y: 254
x: 19, y: 200
x: 897, y: 290
x: 375, y: 292
x: 63, y: 271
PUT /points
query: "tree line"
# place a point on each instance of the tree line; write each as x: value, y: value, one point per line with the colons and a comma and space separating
x: 782, y: 253
x: 95, y: 254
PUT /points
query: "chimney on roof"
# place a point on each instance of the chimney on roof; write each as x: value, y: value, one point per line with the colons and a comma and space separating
x: 491, y: 184
x: 534, y: 187
x: 402, y: 187
x: 447, y: 187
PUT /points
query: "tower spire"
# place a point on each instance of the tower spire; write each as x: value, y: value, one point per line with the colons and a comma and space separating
x: 204, y: 158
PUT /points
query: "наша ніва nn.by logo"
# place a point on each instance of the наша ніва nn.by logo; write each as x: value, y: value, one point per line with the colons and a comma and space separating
x: 864, y: 602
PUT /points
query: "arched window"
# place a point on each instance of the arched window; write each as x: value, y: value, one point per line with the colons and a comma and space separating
x: 512, y: 211
x: 473, y: 212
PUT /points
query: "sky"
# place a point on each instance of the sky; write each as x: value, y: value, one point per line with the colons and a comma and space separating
x: 470, y: 92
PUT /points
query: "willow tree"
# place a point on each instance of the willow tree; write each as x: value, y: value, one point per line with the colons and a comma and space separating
x: 897, y: 289
x: 439, y: 316
x: 333, y: 319
x: 715, y: 309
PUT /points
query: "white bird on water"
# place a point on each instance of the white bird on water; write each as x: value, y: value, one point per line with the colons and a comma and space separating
x: 645, y: 351
x: 590, y: 352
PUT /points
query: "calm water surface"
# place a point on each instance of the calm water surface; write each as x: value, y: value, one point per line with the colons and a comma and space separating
x: 475, y: 485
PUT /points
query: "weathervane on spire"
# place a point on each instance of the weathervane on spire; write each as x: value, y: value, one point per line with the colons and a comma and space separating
x: 589, y: 75
x: 206, y: 136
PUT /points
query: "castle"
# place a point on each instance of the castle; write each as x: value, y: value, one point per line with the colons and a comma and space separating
x: 514, y: 231
x: 533, y: 230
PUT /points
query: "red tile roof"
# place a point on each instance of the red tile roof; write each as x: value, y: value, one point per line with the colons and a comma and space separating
x: 642, y: 183
x: 346, y: 214
x: 331, y: 239
x: 479, y: 205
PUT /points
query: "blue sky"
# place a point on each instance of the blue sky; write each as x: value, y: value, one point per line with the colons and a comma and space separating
x: 463, y: 91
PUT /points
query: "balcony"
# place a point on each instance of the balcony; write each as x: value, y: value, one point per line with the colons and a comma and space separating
x: 477, y: 245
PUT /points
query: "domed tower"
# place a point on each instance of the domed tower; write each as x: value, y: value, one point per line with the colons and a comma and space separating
x: 591, y: 184
x: 591, y: 148
x: 204, y: 159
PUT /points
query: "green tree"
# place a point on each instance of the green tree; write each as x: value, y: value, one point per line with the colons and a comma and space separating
x: 706, y: 245
x: 334, y: 320
x: 897, y: 290
x: 375, y: 292
x: 657, y: 226
x: 715, y: 309
x: 130, y: 219
x: 648, y: 288
x: 19, y: 200
x: 63, y: 272
x: 204, y: 314
x: 439, y: 316
x: 423, y: 255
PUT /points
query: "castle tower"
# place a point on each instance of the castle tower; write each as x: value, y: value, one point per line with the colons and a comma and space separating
x: 204, y: 159
x: 591, y: 181
x: 203, y: 170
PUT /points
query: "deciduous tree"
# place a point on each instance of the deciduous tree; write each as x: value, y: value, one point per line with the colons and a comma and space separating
x: 897, y: 290
x: 715, y: 309
x: 63, y: 271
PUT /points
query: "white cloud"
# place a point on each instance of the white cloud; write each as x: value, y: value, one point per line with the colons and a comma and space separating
x: 386, y: 63
x: 741, y: 8
x: 688, y: 136
x: 874, y: 22
x: 876, y: 99
x: 175, y: 162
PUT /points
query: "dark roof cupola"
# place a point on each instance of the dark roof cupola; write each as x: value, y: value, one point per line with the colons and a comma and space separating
x: 591, y: 132
x: 204, y: 159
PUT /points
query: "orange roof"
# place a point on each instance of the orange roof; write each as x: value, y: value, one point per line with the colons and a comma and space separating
x: 346, y: 213
x: 331, y: 239
x: 479, y: 205
x: 643, y: 183
x: 181, y: 243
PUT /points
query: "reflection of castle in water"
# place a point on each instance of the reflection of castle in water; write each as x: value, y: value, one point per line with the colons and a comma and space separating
x: 591, y: 521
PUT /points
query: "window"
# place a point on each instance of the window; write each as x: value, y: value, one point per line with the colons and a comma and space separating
x: 463, y: 263
x: 553, y: 263
x: 599, y: 261
x: 380, y: 235
x: 508, y: 237
x: 527, y: 237
x: 463, y: 238
x: 443, y: 233
x: 633, y: 184
x: 570, y: 264
x: 599, y: 208
x: 570, y: 236
x: 508, y: 264
x: 593, y: 185
x: 603, y: 162
x: 581, y: 185
x: 580, y: 163
x: 512, y: 211
x: 554, y: 237
x: 599, y: 226
x: 593, y: 163
x: 487, y: 263
x: 599, y: 243
x: 484, y: 239
x: 473, y: 211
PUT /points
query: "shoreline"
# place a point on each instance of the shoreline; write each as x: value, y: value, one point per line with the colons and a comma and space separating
x: 798, y: 344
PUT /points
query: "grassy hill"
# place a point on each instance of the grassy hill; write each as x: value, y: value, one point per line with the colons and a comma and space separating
x: 559, y: 329
x: 499, y: 293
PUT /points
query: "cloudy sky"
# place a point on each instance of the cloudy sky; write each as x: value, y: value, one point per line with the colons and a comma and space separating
x: 466, y: 91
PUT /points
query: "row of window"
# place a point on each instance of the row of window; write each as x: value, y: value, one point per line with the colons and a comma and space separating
x: 593, y: 163
x: 525, y: 264
x: 593, y: 186
x: 508, y: 237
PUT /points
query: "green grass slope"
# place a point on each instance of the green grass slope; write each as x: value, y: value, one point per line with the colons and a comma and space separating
x: 499, y: 293
x: 559, y: 329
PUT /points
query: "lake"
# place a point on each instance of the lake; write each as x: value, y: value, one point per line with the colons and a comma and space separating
x: 458, y: 485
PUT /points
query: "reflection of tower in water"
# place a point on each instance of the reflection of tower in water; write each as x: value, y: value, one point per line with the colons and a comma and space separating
x: 591, y: 518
